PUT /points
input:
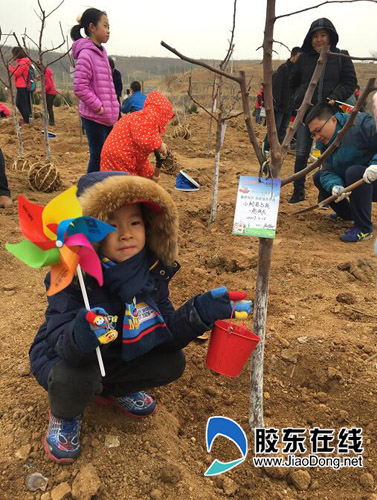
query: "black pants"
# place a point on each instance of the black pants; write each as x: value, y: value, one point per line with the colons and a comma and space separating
x: 360, y: 207
x: 50, y: 108
x: 23, y: 104
x: 71, y: 389
x: 4, y: 191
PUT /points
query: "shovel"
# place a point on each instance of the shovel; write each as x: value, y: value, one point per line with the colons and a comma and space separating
x: 328, y: 200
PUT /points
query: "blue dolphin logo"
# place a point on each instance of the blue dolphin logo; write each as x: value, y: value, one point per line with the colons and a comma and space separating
x: 223, y: 426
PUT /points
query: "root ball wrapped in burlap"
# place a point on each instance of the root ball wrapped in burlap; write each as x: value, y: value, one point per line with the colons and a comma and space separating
x: 44, y: 177
x: 170, y: 164
x: 182, y: 131
x: 21, y: 164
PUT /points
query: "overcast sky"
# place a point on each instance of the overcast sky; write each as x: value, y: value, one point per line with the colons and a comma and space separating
x: 198, y: 28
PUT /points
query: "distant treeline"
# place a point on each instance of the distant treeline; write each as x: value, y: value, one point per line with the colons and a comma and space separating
x: 131, y: 68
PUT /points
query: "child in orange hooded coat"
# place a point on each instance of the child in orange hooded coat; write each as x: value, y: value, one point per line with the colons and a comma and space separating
x: 136, y: 135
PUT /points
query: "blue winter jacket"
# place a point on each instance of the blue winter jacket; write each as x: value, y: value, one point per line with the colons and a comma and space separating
x: 358, y: 147
x: 55, y: 340
x: 134, y: 102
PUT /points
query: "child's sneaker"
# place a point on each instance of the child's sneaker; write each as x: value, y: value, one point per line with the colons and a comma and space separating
x: 62, y: 440
x: 136, y: 405
x: 354, y: 234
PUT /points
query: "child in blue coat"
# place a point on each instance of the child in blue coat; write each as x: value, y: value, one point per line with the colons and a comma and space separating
x: 138, y: 261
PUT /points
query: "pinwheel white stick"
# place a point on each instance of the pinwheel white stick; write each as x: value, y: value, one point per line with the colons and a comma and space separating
x: 87, y: 305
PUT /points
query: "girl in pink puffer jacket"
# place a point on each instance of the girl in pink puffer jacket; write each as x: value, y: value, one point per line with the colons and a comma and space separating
x: 93, y: 82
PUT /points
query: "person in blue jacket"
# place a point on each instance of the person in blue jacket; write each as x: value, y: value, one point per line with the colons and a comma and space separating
x: 354, y: 159
x: 138, y: 261
x: 136, y: 100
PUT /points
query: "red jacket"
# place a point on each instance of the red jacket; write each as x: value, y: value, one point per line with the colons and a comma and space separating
x: 259, y: 100
x: 136, y: 135
x: 49, y: 82
x: 20, y: 72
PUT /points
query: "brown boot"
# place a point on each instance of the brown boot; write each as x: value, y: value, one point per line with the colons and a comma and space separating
x: 5, y: 201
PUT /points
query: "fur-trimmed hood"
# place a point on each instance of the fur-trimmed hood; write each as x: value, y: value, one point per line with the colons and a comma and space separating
x: 101, y: 193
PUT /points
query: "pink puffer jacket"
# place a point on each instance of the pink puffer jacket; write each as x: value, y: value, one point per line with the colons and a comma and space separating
x: 93, y: 83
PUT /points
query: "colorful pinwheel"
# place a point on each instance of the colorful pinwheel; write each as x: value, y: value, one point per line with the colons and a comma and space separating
x: 58, y: 235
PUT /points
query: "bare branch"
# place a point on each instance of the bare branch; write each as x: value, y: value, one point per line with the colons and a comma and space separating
x: 233, y: 116
x: 200, y: 63
x: 23, y: 46
x: 56, y: 8
x: 320, y: 5
x: 225, y: 61
x: 247, y: 117
x: 346, y: 56
x: 283, y: 44
x: 38, y: 15
x: 306, y: 101
x: 368, y: 89
x: 198, y: 103
x: 53, y: 49
x: 58, y: 58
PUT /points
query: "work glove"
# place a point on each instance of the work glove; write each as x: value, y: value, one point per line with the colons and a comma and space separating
x: 336, y: 190
x: 370, y: 174
x: 92, y: 328
x: 160, y: 158
x: 221, y: 304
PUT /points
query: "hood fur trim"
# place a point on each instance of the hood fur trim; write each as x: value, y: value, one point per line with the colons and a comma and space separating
x: 103, y: 198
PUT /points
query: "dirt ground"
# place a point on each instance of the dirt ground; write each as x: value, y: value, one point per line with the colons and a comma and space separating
x: 321, y: 332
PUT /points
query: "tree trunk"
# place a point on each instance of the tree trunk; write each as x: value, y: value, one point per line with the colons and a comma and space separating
x: 265, y: 244
x: 220, y: 124
x: 15, y: 119
x: 260, y: 316
x: 45, y: 117
x: 213, y: 100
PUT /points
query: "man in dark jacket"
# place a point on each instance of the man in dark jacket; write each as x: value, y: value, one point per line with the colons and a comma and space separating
x: 337, y: 82
x: 283, y: 103
x: 354, y: 159
x: 117, y: 79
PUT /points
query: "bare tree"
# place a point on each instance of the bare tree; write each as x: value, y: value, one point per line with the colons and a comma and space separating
x: 41, y: 63
x: 223, y: 112
x: 278, y: 152
x: 6, y: 60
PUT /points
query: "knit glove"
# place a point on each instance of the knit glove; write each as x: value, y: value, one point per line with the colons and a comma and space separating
x: 336, y: 190
x: 219, y: 304
x: 92, y: 328
x: 370, y: 174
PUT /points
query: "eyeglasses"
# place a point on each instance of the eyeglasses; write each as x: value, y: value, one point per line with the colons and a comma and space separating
x: 317, y: 131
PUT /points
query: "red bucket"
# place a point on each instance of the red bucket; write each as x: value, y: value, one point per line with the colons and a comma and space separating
x: 229, y: 348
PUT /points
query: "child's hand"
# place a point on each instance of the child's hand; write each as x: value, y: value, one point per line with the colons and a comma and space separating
x: 220, y: 304
x: 100, y: 111
x: 92, y: 328
x: 163, y: 149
